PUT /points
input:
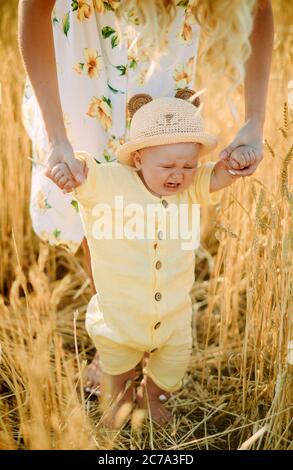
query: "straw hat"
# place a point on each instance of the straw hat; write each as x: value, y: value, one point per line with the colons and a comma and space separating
x: 166, y: 120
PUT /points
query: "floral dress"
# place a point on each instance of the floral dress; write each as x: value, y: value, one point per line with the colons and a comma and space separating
x: 99, y: 69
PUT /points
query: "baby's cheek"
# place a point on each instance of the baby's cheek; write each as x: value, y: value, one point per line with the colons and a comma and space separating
x: 190, y: 177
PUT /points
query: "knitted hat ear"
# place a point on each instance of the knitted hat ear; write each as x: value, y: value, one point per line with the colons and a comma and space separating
x: 137, y: 101
x: 187, y: 94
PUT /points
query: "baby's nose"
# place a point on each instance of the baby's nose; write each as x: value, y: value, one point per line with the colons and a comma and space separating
x: 177, y: 174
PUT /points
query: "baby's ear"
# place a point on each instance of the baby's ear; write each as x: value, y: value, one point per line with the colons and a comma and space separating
x: 137, y: 101
x: 188, y: 95
x: 136, y: 158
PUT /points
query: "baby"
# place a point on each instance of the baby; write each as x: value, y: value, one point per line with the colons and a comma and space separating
x: 143, y: 273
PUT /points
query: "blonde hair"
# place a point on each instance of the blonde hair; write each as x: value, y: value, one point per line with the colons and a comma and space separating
x: 226, y: 27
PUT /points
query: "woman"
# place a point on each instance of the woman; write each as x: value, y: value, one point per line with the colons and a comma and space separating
x: 107, y: 51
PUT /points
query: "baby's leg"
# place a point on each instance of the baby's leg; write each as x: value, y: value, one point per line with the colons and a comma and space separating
x: 163, y: 374
x: 117, y: 396
x: 152, y: 397
x: 117, y: 388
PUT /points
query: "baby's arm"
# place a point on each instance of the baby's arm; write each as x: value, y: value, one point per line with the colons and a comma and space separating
x: 223, y: 175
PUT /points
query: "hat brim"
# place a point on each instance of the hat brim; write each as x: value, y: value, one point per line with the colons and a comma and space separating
x: 208, y: 142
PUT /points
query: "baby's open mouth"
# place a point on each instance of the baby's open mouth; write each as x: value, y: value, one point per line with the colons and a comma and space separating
x: 172, y: 185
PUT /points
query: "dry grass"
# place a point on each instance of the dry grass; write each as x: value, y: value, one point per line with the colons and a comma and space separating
x: 238, y: 392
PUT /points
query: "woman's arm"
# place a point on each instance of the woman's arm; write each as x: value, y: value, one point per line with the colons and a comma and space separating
x: 255, y: 86
x: 258, y: 65
x: 38, y: 54
x: 37, y: 50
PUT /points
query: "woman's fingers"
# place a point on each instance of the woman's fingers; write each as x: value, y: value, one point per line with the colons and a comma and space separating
x: 76, y: 167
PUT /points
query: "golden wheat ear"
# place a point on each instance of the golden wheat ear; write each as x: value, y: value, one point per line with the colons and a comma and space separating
x: 188, y: 95
x: 137, y: 101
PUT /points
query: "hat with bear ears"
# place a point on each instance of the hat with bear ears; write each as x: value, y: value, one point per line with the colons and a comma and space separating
x: 166, y: 120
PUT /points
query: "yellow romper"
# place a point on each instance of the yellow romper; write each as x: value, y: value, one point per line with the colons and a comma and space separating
x: 142, y: 302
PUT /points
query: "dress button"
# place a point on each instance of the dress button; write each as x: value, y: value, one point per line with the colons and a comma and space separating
x: 165, y: 203
x: 157, y: 325
x: 158, y: 264
x: 160, y: 234
x: 158, y: 296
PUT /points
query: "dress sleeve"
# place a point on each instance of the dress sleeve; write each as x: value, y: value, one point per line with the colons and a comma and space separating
x: 87, y: 193
x: 199, y: 190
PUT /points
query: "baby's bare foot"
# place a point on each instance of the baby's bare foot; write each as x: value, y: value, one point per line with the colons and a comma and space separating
x: 151, y: 397
x: 117, y: 393
x: 92, y: 377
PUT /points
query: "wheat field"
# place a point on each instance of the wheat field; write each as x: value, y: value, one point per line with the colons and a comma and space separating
x: 238, y: 391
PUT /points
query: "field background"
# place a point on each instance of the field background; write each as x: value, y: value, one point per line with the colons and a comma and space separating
x: 238, y: 391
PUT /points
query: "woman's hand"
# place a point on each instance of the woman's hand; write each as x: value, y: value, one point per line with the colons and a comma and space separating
x: 250, y: 134
x: 62, y: 152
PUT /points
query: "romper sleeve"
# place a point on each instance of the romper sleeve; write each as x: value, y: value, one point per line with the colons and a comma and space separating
x: 88, y: 192
x: 199, y: 190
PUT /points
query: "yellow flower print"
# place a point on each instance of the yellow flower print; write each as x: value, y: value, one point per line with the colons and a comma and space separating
x: 189, y: 16
x: 101, y: 6
x: 113, y: 4
x: 92, y: 65
x: 114, y: 143
x: 93, y: 62
x: 141, y: 77
x: 78, y: 68
x: 101, y: 109
x: 183, y: 73
x: 131, y: 17
x: 55, y: 239
x: 132, y: 61
x: 185, y: 33
x: 41, y: 201
x: 84, y: 10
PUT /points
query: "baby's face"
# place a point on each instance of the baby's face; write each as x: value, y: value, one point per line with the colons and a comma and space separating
x: 167, y: 169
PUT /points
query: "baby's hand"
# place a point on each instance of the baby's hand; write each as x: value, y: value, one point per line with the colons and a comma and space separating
x: 63, y: 177
x: 241, y: 157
